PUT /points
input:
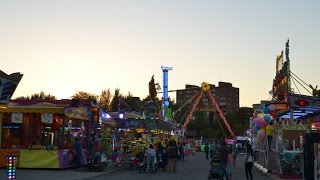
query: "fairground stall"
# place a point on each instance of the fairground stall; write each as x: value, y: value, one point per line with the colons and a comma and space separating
x: 292, y: 154
x: 291, y: 140
x: 42, y: 132
x: 131, y: 132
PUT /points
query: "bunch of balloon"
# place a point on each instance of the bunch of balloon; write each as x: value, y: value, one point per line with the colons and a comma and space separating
x: 261, y: 118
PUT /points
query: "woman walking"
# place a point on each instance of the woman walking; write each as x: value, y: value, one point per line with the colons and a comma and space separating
x: 172, y: 153
x: 249, y: 162
x: 230, y: 167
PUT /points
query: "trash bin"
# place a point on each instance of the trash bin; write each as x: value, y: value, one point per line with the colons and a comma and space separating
x: 11, y: 166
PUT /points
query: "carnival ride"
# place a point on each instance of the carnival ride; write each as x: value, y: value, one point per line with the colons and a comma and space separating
x: 205, y: 90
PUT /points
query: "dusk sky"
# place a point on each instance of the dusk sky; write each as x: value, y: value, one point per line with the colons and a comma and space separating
x: 65, y: 46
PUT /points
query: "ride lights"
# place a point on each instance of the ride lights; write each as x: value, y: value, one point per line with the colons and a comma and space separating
x: 11, y: 166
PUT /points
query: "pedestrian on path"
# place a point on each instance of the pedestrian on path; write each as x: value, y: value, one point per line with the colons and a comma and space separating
x: 224, y: 151
x: 230, y: 166
x: 206, y: 150
x: 78, y: 150
x: 235, y: 152
x: 151, y: 155
x: 249, y: 162
x: 172, y: 152
x: 212, y: 148
x: 181, y: 151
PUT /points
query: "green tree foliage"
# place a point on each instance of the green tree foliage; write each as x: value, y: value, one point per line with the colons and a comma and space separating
x: 134, y: 103
x: 105, y: 99
x: 208, y: 127
x: 115, y: 100
x: 37, y: 96
x: 85, y: 95
x: 239, y: 121
x: 23, y: 98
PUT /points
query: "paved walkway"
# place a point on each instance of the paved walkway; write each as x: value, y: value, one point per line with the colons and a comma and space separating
x: 71, y: 174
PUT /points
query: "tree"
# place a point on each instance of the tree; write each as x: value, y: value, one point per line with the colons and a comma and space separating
x: 115, y: 100
x: 42, y: 96
x: 23, y: 98
x: 85, y: 95
x: 134, y: 103
x: 105, y: 99
x: 37, y: 96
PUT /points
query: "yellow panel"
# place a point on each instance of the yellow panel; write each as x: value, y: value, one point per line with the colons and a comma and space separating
x: 39, y: 159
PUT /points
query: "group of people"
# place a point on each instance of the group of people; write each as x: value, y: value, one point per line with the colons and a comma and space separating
x: 227, y: 155
x: 167, y: 153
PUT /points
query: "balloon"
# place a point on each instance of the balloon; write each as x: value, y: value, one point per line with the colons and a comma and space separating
x: 266, y: 110
x: 259, y: 124
x: 260, y: 115
x: 272, y: 107
x: 267, y: 118
x: 264, y: 124
x: 273, y: 113
x: 261, y: 120
x: 262, y: 135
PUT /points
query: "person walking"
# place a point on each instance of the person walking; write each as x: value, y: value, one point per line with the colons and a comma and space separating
x: 78, y: 149
x: 161, y: 155
x: 235, y: 152
x: 249, y: 162
x: 224, y: 151
x: 172, y: 153
x: 181, y: 151
x: 211, y: 149
x: 206, y: 150
x: 151, y: 155
x: 230, y: 166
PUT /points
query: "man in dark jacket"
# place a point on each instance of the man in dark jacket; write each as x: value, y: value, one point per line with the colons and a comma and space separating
x: 206, y: 150
x: 224, y: 151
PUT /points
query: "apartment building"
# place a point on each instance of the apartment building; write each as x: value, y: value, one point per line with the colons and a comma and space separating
x: 226, y: 95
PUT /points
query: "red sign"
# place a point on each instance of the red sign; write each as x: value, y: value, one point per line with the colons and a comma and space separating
x: 315, y: 125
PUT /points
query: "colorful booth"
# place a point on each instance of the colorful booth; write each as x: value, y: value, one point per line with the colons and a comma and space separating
x: 42, y: 133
